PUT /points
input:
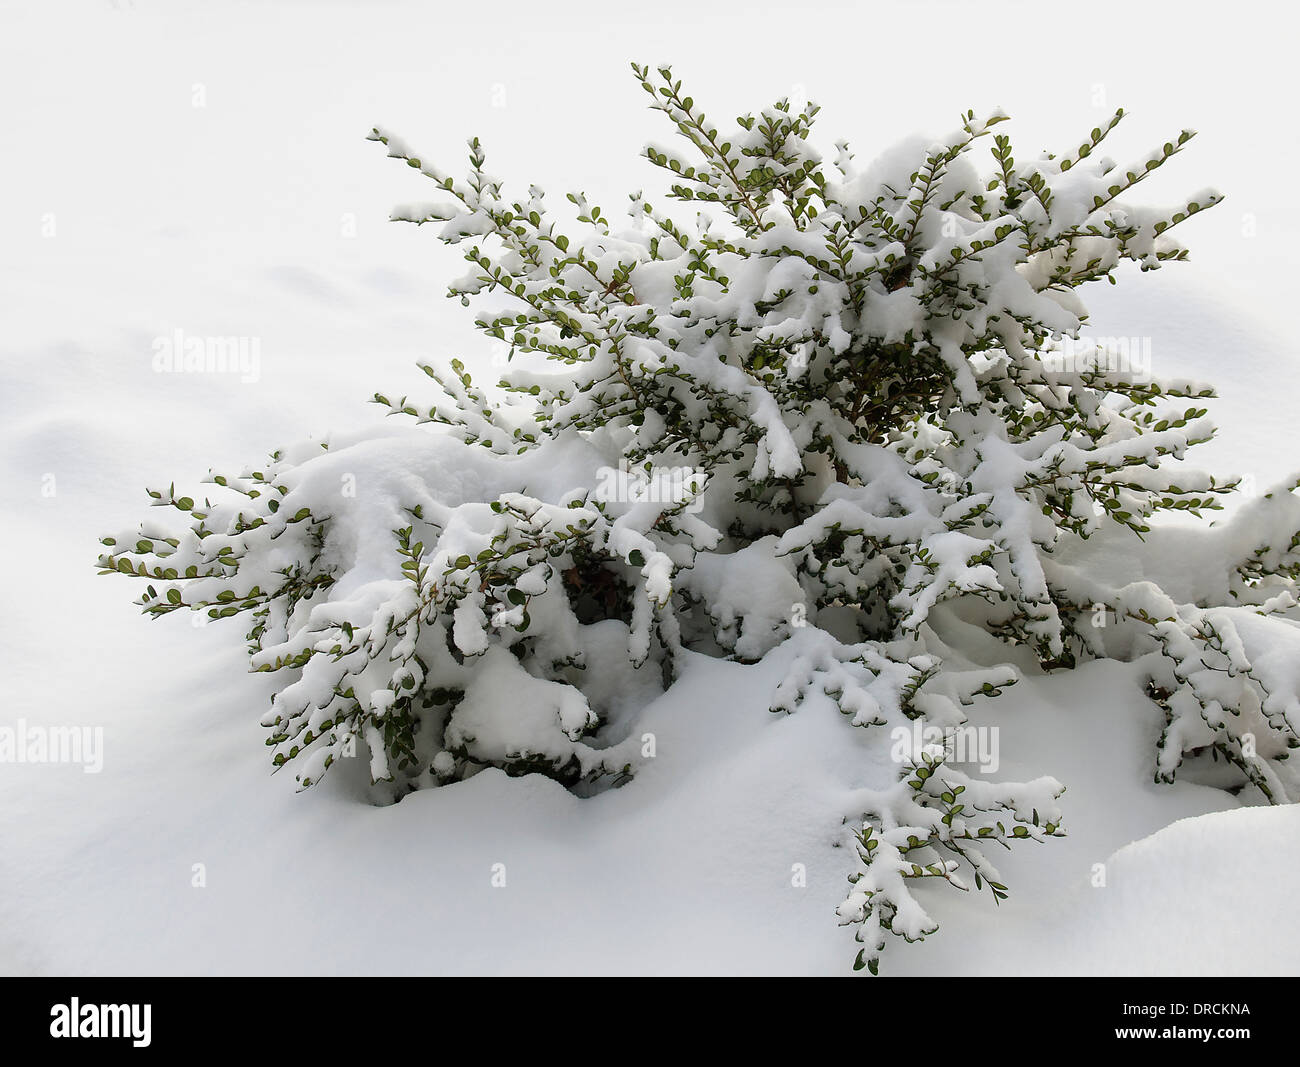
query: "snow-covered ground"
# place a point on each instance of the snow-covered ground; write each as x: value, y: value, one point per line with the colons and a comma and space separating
x: 203, y: 168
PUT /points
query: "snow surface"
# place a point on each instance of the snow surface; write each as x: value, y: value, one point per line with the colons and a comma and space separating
x: 235, y: 219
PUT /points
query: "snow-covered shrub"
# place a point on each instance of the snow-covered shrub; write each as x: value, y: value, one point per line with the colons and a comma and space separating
x: 870, y: 389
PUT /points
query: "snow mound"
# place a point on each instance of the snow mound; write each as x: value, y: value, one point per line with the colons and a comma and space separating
x: 1208, y: 895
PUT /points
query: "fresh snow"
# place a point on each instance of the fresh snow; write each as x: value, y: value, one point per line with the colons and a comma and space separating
x: 230, y: 220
